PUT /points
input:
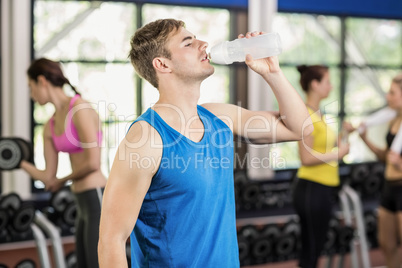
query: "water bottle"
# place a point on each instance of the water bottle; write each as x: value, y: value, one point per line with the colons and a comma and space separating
x: 261, y: 46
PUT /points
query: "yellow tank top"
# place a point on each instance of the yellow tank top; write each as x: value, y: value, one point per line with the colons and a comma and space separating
x: 324, y: 142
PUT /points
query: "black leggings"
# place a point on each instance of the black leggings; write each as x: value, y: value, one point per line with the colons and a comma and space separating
x: 313, y: 203
x: 87, y: 227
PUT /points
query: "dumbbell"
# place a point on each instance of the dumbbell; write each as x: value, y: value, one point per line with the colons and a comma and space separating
x: 4, y: 218
x: 370, y: 222
x: 244, y: 248
x: 373, y: 183
x: 263, y: 247
x: 246, y: 236
x: 20, y: 216
x: 13, y: 151
x: 358, y: 174
x: 346, y: 234
x: 250, y: 195
x: 64, y: 206
x: 330, y: 246
x: 288, y: 241
x: 240, y: 179
x: 26, y: 263
x: 71, y: 260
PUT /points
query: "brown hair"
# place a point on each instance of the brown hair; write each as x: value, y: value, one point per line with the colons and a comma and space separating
x: 149, y: 42
x: 308, y: 73
x: 398, y: 80
x: 51, y: 70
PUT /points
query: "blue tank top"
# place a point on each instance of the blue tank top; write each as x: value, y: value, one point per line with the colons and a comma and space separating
x: 188, y: 216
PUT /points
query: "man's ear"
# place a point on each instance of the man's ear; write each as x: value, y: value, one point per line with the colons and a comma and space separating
x: 161, y: 65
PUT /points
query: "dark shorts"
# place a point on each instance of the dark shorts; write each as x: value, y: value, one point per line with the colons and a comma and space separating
x: 391, y: 196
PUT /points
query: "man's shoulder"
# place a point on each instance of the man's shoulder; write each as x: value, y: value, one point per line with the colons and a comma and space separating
x: 141, y: 133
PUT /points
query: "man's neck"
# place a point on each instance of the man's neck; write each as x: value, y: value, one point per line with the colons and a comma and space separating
x: 183, y: 97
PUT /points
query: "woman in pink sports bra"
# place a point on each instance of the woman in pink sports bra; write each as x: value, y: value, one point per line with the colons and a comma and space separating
x: 74, y: 128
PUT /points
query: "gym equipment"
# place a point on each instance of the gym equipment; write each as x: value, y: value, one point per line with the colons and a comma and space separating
x: 54, y: 235
x: 359, y: 173
x: 71, y: 260
x: 287, y: 242
x: 3, y: 219
x: 345, y: 236
x: 27, y: 263
x: 370, y: 221
x: 373, y: 182
x: 359, y: 241
x: 10, y: 202
x: 330, y: 246
x: 70, y: 213
x: 246, y: 237
x: 263, y: 247
x: 19, y: 217
x: 240, y: 177
x: 64, y: 207
x: 61, y: 199
x: 13, y: 151
x: 22, y: 218
x: 244, y: 248
x: 250, y: 195
x: 41, y: 245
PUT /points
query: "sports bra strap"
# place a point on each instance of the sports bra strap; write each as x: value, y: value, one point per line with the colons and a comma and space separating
x: 73, y: 99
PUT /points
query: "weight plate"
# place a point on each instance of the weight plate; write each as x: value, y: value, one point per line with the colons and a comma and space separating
x: 3, y: 219
x: 26, y: 264
x: 23, y: 218
x: 10, y: 154
x: 70, y: 213
x: 11, y: 201
x: 26, y: 148
x: 61, y: 199
x: 71, y: 260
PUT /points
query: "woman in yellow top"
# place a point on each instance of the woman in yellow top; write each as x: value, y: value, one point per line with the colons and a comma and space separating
x: 318, y: 175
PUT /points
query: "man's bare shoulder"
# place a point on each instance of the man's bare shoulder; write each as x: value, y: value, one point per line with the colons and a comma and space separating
x: 142, y: 135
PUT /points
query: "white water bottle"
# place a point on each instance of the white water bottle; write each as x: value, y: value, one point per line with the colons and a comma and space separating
x: 261, y: 46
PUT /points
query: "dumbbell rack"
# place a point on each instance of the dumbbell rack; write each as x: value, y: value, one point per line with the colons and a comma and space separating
x: 347, y: 197
x: 39, y: 226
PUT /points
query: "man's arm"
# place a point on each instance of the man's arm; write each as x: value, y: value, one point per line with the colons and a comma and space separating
x: 125, y: 190
x: 293, y: 121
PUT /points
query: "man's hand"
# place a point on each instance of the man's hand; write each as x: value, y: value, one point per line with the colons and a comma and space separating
x: 261, y: 66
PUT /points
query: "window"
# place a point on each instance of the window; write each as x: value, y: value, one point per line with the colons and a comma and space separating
x: 92, y: 40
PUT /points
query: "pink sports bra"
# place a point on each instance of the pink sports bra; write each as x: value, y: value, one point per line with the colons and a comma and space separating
x: 69, y: 141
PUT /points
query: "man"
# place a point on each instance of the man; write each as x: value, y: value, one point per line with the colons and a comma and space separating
x: 172, y: 177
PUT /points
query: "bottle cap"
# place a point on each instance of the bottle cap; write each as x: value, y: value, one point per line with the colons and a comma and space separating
x: 219, y: 54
